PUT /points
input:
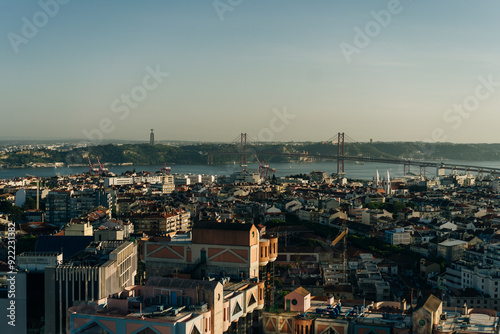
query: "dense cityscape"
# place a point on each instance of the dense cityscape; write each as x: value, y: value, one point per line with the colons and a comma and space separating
x: 249, y: 167
x: 250, y: 252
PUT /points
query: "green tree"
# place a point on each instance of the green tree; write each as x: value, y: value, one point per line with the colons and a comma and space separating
x: 30, y: 204
x: 14, y: 212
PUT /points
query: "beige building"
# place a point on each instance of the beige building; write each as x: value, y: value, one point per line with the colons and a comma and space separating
x: 78, y: 227
x: 310, y: 215
x: 451, y: 250
x: 160, y: 222
x: 167, y: 185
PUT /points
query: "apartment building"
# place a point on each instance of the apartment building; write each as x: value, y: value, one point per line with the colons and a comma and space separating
x: 451, y: 250
x: 58, y: 207
x: 398, y: 236
x: 62, y: 205
x: 485, y: 279
x: 161, y: 222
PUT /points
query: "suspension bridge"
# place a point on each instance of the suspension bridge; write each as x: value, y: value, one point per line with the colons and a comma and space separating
x: 339, y: 141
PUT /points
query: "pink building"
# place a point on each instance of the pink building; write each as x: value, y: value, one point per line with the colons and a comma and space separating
x: 299, y: 300
x: 212, y: 249
x: 171, y: 305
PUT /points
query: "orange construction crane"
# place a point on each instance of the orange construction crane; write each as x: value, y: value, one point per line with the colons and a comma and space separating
x: 342, y: 236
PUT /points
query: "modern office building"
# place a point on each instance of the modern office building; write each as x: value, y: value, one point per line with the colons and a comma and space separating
x: 101, y: 269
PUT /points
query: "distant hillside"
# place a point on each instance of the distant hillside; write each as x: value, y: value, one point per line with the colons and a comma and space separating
x: 228, y: 153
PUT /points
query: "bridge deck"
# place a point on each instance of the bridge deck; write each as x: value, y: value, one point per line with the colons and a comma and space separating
x: 407, y: 162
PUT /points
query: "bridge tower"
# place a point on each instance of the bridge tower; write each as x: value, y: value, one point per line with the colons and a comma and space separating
x: 340, y: 153
x: 243, y: 152
x: 422, y: 171
x: 407, y: 166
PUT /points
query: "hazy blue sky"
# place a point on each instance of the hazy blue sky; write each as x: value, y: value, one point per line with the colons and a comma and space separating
x: 229, y: 70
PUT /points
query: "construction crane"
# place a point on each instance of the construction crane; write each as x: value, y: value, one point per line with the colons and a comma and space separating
x: 165, y: 169
x: 342, y: 236
x: 339, y: 237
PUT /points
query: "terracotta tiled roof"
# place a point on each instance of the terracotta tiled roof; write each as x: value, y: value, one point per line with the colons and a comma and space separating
x: 301, y: 291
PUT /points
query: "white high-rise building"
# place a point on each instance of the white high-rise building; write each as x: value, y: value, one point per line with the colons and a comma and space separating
x: 387, y: 184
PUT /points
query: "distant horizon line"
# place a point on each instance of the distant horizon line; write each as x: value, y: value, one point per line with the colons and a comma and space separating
x: 164, y: 141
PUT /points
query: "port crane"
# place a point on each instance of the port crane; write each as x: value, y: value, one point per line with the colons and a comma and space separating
x: 165, y: 169
x: 101, y: 166
x: 264, y: 168
x: 97, y: 170
x: 93, y: 170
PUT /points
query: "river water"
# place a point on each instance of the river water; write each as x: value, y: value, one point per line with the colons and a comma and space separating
x: 353, y: 170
